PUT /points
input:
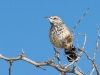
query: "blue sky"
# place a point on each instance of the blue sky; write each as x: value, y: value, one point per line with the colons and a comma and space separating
x: 22, y: 25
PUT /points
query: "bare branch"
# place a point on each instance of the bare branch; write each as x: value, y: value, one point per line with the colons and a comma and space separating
x: 80, y: 20
x: 93, y: 68
x: 39, y: 64
x: 92, y: 60
x: 80, y: 54
x: 85, y: 38
x: 10, y: 66
x: 57, y: 52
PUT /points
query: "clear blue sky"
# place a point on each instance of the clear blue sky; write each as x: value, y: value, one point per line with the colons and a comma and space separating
x: 22, y: 25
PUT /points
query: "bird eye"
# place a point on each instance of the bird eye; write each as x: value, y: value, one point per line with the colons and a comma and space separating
x: 54, y: 18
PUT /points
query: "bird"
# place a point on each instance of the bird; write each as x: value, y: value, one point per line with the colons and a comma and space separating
x: 61, y: 37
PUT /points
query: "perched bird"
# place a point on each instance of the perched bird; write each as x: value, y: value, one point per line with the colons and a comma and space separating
x: 61, y: 37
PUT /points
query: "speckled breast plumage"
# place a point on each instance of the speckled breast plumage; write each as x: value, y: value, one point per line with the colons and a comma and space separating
x: 59, y: 36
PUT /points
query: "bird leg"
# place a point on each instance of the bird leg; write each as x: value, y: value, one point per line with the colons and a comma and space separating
x: 57, y: 52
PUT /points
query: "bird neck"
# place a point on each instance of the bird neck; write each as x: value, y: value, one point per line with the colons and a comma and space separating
x: 56, y: 24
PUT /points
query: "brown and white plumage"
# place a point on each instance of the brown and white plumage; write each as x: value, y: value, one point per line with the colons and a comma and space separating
x: 61, y: 37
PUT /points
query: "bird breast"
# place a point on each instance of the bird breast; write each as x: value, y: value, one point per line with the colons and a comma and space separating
x: 58, y: 35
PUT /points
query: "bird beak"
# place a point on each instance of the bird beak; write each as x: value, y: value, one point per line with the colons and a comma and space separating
x: 46, y: 17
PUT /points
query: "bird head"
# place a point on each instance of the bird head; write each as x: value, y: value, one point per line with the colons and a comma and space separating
x: 54, y: 20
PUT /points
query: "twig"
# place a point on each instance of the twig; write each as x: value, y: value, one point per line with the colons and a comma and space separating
x: 80, y: 20
x: 57, y: 52
x: 80, y: 54
x: 93, y: 68
x: 92, y: 60
x: 85, y: 37
x: 70, y: 64
x: 10, y: 66
x: 77, y: 41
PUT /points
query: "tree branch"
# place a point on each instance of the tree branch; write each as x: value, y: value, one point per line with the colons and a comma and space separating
x: 39, y: 64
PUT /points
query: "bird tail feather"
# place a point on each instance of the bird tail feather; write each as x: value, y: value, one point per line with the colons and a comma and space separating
x: 71, y: 54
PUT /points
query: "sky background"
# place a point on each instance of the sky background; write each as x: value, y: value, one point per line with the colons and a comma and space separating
x: 23, y: 26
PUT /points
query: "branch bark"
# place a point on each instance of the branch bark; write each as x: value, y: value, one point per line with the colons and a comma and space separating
x: 39, y: 64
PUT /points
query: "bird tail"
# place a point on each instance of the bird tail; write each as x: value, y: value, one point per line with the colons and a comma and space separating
x: 71, y: 54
